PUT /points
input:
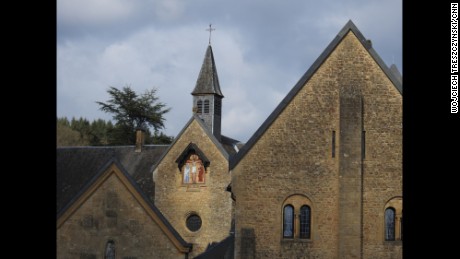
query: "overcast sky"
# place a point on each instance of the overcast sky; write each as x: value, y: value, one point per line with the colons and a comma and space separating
x: 261, y: 49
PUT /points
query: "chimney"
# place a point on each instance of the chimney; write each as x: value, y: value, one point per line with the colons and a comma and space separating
x: 140, y: 137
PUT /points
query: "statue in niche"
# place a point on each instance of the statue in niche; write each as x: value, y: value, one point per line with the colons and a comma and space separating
x: 193, y: 170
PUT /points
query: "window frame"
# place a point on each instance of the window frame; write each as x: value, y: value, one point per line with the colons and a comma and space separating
x: 297, y: 201
x: 199, y: 107
x: 395, y: 204
x: 292, y: 218
x: 110, y: 244
x: 190, y: 226
x: 308, y: 223
x: 387, y: 224
x: 206, y: 107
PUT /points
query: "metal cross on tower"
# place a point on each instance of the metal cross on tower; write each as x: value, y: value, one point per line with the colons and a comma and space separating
x: 210, y: 31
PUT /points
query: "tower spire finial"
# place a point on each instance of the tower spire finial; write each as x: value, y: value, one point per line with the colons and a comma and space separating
x: 210, y: 31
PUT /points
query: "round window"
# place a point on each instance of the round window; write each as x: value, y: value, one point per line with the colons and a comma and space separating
x: 193, y: 222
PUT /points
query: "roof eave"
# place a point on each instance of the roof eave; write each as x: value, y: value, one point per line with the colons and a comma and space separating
x: 349, y: 26
x: 208, y: 133
x: 184, y: 246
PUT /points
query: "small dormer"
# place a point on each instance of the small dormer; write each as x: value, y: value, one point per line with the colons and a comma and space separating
x: 193, y: 166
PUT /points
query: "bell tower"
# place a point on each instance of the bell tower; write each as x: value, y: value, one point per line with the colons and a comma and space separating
x: 207, y: 96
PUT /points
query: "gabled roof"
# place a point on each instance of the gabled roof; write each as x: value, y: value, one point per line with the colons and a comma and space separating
x: 205, y: 129
x: 181, y: 160
x: 349, y: 26
x: 231, y: 145
x: 208, y: 81
x: 75, y: 166
x: 113, y: 166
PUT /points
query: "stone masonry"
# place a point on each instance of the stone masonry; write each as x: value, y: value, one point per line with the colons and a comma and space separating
x: 112, y: 213
x: 212, y: 202
x: 333, y: 144
x: 350, y: 94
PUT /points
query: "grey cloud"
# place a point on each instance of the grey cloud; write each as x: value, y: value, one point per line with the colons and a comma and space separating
x: 261, y: 48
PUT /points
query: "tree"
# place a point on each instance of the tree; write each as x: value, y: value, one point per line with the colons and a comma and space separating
x: 81, y: 125
x: 159, y: 138
x: 132, y: 111
x: 66, y: 136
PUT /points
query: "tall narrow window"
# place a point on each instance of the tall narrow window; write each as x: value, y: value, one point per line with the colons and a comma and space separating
x: 333, y: 143
x: 217, y: 106
x: 390, y: 224
x: 109, y: 250
x: 393, y: 220
x: 288, y: 221
x: 363, y: 145
x: 199, y: 106
x: 305, y: 222
x: 206, y: 106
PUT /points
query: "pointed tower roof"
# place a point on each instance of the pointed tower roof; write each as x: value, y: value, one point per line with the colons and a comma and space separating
x: 208, y: 81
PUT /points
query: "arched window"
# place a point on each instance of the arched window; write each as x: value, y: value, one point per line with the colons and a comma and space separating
x: 109, y: 250
x: 390, y: 224
x: 206, y: 106
x: 288, y: 221
x: 199, y: 106
x: 304, y: 222
x: 297, y: 217
x: 392, y: 220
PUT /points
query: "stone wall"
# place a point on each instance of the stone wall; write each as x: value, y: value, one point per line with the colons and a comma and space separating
x: 211, y: 202
x: 294, y: 156
x: 112, y: 213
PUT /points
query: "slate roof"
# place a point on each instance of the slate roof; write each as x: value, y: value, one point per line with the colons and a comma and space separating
x: 349, y: 26
x: 225, y: 146
x: 396, y: 73
x: 129, y: 177
x: 229, y: 145
x: 208, y: 81
x: 223, y: 249
x: 76, y: 166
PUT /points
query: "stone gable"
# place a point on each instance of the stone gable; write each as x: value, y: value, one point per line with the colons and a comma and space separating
x: 210, y: 201
x: 329, y: 156
x: 294, y: 156
x: 112, y: 213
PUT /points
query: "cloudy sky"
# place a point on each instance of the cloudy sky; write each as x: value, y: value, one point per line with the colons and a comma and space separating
x: 261, y: 49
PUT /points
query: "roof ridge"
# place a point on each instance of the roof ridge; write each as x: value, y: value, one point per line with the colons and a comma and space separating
x: 122, y: 169
x: 95, y: 147
x: 349, y: 26
x: 205, y: 128
x: 118, y: 146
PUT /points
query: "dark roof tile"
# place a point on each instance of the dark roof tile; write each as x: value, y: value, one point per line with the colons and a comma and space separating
x: 133, y: 182
x: 396, y: 73
x: 208, y: 81
x: 224, y: 249
x: 229, y: 145
x: 76, y: 166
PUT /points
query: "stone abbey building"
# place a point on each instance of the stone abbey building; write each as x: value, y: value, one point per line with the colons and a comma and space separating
x: 320, y: 178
